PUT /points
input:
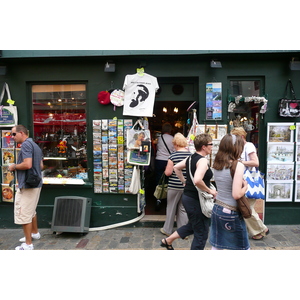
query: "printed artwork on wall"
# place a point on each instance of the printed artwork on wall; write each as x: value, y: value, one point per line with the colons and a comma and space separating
x: 214, y: 101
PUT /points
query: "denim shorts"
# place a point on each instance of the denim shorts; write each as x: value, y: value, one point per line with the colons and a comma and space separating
x: 228, y: 229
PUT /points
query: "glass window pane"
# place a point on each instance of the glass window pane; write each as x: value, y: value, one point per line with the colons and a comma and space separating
x: 59, y: 116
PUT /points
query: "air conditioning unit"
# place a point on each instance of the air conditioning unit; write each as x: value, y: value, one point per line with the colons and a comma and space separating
x: 71, y: 214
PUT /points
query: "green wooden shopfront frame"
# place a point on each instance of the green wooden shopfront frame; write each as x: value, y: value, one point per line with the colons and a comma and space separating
x: 24, y: 68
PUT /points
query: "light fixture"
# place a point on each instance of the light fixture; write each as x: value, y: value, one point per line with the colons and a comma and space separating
x: 295, y: 64
x: 109, y: 67
x: 215, y: 64
x: 165, y: 109
x: 175, y: 109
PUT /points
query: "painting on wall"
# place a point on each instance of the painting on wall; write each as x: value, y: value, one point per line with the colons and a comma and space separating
x: 214, y: 101
x: 280, y: 132
x: 279, y: 191
x: 280, y: 153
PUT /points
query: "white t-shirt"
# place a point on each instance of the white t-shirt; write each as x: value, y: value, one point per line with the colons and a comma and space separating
x: 248, y: 149
x: 139, y: 95
x: 162, y: 152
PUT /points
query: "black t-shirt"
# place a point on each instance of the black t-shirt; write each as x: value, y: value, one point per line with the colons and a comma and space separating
x: 189, y: 188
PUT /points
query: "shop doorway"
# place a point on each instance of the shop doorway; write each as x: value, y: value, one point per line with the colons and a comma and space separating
x: 177, y: 115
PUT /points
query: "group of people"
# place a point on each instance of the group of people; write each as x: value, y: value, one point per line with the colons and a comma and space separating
x: 227, y: 229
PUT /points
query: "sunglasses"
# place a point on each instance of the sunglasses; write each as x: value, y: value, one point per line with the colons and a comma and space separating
x: 211, y: 144
x: 14, y: 134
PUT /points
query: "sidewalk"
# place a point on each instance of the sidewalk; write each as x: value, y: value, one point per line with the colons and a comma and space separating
x: 137, y: 237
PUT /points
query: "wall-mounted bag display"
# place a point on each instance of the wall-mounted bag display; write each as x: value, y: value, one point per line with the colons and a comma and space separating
x: 135, y: 137
x: 8, y: 114
x: 289, y: 107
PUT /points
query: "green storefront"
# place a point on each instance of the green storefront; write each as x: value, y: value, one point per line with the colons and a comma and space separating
x: 34, y: 77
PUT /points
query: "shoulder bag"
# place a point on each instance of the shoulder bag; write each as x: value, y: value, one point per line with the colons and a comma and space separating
x: 289, y: 107
x: 206, y: 199
x: 242, y: 203
x: 8, y: 114
x: 32, y: 179
x: 161, y: 189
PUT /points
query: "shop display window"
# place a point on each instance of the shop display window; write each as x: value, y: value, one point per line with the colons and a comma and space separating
x: 59, y: 119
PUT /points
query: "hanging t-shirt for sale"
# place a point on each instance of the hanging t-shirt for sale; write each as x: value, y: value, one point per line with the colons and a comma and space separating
x: 139, y: 95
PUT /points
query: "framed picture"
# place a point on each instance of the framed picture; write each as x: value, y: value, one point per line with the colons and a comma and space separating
x: 297, y: 172
x: 280, y: 153
x: 297, y: 137
x: 297, y: 191
x: 297, y: 158
x: 279, y: 191
x: 212, y: 130
x: 280, y: 172
x: 280, y: 132
x: 214, y: 101
x: 222, y: 131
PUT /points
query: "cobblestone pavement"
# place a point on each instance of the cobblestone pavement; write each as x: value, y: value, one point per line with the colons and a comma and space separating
x: 281, y: 237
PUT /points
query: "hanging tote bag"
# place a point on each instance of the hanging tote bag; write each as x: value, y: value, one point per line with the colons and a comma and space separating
x: 135, y: 184
x: 206, y: 199
x: 161, y: 189
x: 289, y: 107
x: 192, y: 133
x: 135, y: 137
x: 256, y: 183
x: 8, y: 114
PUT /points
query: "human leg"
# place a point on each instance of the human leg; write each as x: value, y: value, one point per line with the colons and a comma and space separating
x: 172, y: 200
x: 181, y: 215
x: 255, y: 225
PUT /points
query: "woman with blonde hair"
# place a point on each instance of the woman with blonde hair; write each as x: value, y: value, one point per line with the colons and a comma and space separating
x: 175, y: 187
x: 256, y: 228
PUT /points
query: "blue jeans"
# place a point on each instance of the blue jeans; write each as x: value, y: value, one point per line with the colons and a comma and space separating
x: 198, y: 223
x: 228, y: 229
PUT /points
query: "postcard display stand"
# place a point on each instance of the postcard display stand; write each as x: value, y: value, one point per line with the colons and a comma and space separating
x: 8, y: 156
x: 283, y: 161
x: 112, y: 174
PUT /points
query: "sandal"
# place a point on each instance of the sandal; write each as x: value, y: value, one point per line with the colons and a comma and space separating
x: 257, y: 237
x: 166, y: 245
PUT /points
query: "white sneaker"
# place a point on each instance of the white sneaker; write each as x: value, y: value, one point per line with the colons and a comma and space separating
x: 24, y: 246
x: 34, y: 236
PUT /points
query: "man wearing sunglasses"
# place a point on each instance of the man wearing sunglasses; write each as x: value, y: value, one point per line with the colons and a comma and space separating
x: 27, y: 197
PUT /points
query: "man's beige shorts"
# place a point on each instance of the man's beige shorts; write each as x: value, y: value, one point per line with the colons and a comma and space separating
x: 26, y: 201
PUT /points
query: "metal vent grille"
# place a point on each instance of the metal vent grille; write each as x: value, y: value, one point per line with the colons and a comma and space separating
x: 71, y: 214
x: 68, y: 212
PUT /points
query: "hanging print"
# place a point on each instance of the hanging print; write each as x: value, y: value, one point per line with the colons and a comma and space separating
x: 214, y: 101
x: 140, y: 89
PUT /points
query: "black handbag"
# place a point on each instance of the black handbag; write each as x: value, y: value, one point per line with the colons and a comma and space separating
x: 289, y: 107
x: 32, y: 179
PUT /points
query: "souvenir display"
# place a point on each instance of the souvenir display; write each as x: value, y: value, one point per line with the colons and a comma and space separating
x: 112, y: 173
x: 283, y: 153
x: 140, y: 89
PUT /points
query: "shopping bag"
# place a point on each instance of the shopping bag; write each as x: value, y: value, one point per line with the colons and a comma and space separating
x: 135, y: 184
x: 135, y: 137
x: 161, y: 189
x: 256, y: 184
x: 192, y: 133
x: 8, y: 114
x: 289, y: 107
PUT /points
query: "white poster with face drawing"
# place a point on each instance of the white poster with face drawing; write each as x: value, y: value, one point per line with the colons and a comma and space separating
x: 139, y: 96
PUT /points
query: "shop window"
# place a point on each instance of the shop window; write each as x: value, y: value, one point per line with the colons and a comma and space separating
x: 59, y: 118
x: 245, y: 101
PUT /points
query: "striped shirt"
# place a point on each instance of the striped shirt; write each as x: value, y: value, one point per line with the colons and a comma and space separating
x: 177, y: 157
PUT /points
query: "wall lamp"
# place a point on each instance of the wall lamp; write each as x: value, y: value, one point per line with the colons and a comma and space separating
x: 295, y: 64
x: 109, y: 67
x: 215, y: 64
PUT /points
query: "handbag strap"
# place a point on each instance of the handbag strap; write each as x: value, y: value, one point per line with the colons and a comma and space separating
x: 5, y: 88
x: 289, y: 83
x: 232, y: 168
x: 165, y: 144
